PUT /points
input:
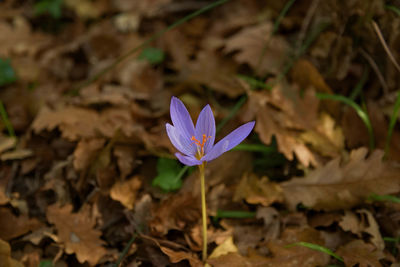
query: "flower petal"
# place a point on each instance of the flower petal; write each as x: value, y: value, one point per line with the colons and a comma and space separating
x: 181, y: 143
x: 181, y: 119
x: 230, y: 141
x: 206, y: 125
x: 188, y: 160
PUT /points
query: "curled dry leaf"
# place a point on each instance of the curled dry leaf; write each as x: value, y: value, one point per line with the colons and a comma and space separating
x: 282, y: 113
x: 341, y: 186
x: 175, y: 251
x: 364, y: 223
x: 77, y: 232
x: 359, y: 253
x: 257, y: 190
x: 126, y: 191
x: 326, y: 138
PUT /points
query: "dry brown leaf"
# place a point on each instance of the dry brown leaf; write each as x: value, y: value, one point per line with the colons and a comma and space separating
x: 125, y: 160
x: 18, y: 38
x: 359, y: 253
x: 126, y: 191
x: 264, y: 52
x: 175, y: 251
x: 226, y: 247
x: 366, y: 223
x: 327, y: 138
x: 7, y: 143
x: 177, y: 212
x: 215, y: 72
x: 19, y: 153
x: 291, y: 256
x: 76, y: 231
x: 306, y: 75
x: 256, y: 190
x: 5, y: 256
x: 282, y: 113
x: 76, y: 122
x: 13, y: 226
x: 86, y: 151
x: 342, y: 186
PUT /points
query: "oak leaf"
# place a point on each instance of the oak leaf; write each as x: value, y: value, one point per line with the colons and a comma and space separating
x: 258, y: 47
x: 77, y: 232
x: 126, y: 192
x: 342, y: 186
x: 359, y: 253
x: 257, y: 190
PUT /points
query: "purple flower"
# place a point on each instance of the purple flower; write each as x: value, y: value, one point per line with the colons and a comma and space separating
x: 196, y: 144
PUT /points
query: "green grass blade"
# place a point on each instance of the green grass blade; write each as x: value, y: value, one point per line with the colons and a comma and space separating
x: 392, y: 123
x: 392, y: 239
x: 382, y: 198
x: 317, y: 248
x: 394, y: 9
x: 253, y: 82
x: 125, y: 251
x: 147, y: 43
x: 6, y: 121
x: 359, y: 86
x: 236, y: 214
x: 360, y: 112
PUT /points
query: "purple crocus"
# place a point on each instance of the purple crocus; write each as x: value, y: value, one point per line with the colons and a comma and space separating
x: 196, y: 144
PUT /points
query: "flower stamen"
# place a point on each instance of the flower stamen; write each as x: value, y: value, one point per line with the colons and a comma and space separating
x: 200, y: 144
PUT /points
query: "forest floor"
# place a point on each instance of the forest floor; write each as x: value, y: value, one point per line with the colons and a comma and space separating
x: 88, y: 175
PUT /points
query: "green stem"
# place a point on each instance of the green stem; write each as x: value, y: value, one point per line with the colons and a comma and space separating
x: 6, y: 121
x: 203, y: 210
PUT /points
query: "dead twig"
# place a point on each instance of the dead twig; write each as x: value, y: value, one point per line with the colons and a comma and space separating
x: 385, y: 46
x: 376, y: 70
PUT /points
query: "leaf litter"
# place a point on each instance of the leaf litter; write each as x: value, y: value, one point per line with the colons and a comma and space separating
x: 89, y: 179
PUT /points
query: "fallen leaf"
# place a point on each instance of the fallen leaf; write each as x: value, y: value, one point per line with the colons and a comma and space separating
x: 76, y: 123
x: 326, y: 138
x: 5, y: 256
x: 125, y: 159
x: 76, y: 231
x: 126, y: 191
x: 216, y: 72
x: 306, y: 75
x: 357, y: 252
x: 14, y: 226
x: 226, y: 247
x: 175, y: 251
x: 282, y: 113
x: 364, y: 223
x: 7, y: 143
x: 86, y: 151
x: 178, y: 212
x: 19, y: 153
x: 258, y: 47
x: 342, y: 186
x: 256, y: 190
x: 292, y: 256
